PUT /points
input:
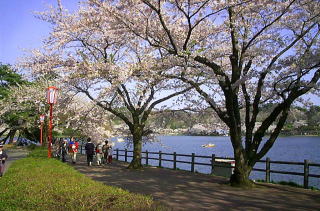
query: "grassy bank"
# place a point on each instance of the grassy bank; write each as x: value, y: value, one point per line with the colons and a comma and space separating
x: 39, y: 183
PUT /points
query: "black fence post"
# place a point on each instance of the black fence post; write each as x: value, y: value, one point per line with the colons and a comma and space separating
x: 213, y: 158
x: 160, y: 157
x: 174, y: 160
x: 125, y: 155
x: 268, y: 170
x: 147, y: 159
x: 192, y: 162
x: 117, y: 155
x: 306, y: 174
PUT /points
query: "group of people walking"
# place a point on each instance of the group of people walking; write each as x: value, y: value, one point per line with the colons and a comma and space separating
x: 63, y: 148
x: 103, y: 152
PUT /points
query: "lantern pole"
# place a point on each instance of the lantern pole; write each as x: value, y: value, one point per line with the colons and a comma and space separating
x: 52, y: 99
x: 50, y: 131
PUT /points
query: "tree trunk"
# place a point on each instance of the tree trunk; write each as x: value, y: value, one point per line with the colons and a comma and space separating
x: 240, y: 176
x: 45, y: 134
x: 2, y: 132
x: 137, y: 149
x: 241, y: 173
x: 2, y: 141
x: 12, y: 133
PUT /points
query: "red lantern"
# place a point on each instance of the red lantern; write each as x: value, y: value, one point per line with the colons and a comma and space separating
x: 52, y: 93
x: 42, y: 116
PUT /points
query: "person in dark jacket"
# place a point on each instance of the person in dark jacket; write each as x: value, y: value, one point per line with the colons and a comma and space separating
x: 89, y: 147
x: 3, y: 158
x: 64, y: 150
x: 58, y: 146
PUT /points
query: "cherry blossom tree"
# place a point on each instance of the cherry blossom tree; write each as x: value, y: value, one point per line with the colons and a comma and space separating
x: 87, y: 118
x: 248, y: 53
x: 116, y: 73
x: 22, y: 107
x: 27, y: 101
x: 9, y: 78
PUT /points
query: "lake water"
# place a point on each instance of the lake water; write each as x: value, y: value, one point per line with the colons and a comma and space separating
x: 295, y: 149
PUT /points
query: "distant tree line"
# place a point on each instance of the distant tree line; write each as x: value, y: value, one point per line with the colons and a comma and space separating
x: 300, y: 121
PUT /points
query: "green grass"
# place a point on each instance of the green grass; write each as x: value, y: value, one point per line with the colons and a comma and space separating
x: 39, y: 183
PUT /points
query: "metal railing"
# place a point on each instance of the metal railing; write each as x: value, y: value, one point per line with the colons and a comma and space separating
x: 306, y: 164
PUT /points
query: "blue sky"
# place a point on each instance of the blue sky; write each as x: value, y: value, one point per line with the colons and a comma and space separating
x: 20, y: 29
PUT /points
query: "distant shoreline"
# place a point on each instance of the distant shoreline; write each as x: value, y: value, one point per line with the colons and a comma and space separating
x: 183, y: 134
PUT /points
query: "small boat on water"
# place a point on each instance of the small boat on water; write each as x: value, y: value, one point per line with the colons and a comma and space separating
x: 120, y: 140
x: 208, y: 145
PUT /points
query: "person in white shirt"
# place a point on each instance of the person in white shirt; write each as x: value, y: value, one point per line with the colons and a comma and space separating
x: 99, y: 153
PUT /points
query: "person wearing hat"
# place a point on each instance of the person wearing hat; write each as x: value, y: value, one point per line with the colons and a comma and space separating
x: 3, y: 158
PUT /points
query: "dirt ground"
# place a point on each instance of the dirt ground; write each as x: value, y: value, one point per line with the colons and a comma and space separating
x: 182, y: 190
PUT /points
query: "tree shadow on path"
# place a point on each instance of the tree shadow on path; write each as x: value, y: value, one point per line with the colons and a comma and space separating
x: 183, y: 190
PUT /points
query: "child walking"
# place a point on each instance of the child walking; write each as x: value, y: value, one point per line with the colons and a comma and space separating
x: 73, y: 149
x: 99, y: 153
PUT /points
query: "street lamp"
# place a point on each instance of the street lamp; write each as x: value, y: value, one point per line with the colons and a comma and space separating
x: 52, y: 93
x: 42, y: 116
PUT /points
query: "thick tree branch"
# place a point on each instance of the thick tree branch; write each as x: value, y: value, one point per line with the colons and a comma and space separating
x: 148, y: 111
x: 5, y: 130
x: 281, y: 108
x: 256, y: 102
x: 220, y: 113
x: 216, y: 68
x: 108, y: 108
x: 274, y: 135
x: 158, y: 11
x: 127, y: 96
x: 151, y: 96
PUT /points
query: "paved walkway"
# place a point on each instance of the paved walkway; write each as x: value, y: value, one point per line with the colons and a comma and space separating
x: 182, y: 190
x: 13, y: 155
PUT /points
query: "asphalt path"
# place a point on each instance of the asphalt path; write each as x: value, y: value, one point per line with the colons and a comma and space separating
x: 182, y: 190
x: 13, y: 155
